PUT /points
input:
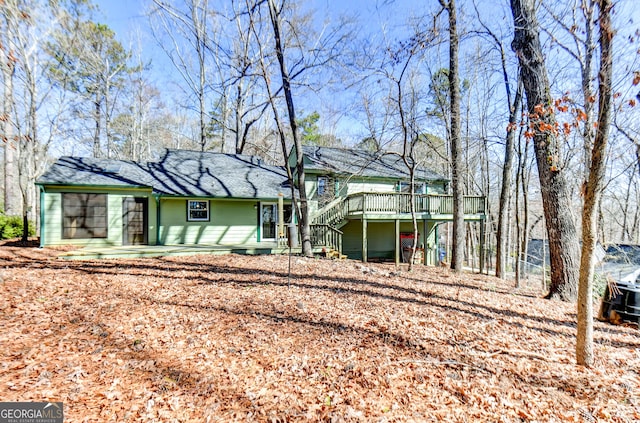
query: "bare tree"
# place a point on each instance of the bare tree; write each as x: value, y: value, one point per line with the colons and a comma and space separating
x: 295, y: 52
x: 593, y: 190
x: 89, y: 62
x: 561, y: 230
x: 27, y: 93
x: 190, y: 25
x: 505, y: 191
x: 523, y: 176
x: 457, y: 253
x: 8, y: 59
x: 507, y: 168
x: 305, y: 235
x: 406, y: 98
x: 582, y: 51
x: 247, y: 104
x: 135, y: 128
x: 271, y: 96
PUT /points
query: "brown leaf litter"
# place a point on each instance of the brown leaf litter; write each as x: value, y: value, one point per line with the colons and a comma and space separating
x: 230, y: 338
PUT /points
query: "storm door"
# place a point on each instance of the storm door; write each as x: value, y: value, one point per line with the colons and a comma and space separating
x: 269, y: 221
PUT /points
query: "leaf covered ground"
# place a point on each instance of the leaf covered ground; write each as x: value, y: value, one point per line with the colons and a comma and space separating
x: 233, y: 338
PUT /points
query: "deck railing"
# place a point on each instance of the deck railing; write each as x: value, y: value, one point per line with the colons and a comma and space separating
x: 396, y: 203
x: 326, y: 236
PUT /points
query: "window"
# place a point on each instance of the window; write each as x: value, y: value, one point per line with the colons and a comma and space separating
x: 287, y: 211
x: 84, y: 215
x: 197, y: 211
x: 419, y: 188
x: 322, y: 185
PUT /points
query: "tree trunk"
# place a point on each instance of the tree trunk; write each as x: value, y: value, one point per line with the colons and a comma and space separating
x: 96, y: 133
x: 561, y: 230
x: 12, y: 203
x: 587, y: 92
x: 522, y: 217
x: 31, y: 141
x: 238, y: 119
x: 625, y: 235
x: 505, y: 191
x: 304, y: 223
x: 457, y: 253
x: 593, y: 192
x: 200, y: 29
x: 519, y: 234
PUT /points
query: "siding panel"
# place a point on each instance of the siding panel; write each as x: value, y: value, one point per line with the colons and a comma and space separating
x: 51, y: 231
x: 231, y: 223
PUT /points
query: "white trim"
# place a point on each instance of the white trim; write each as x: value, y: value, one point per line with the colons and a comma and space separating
x: 197, y: 219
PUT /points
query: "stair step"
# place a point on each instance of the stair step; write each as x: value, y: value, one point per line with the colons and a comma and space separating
x: 333, y: 254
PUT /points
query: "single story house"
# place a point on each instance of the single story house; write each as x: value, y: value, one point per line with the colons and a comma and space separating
x: 186, y: 197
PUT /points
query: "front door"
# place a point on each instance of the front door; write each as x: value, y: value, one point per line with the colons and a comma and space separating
x: 134, y: 220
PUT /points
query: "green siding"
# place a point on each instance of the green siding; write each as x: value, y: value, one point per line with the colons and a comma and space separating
x: 381, y: 239
x: 431, y: 244
x: 231, y: 222
x: 352, y: 239
x: 52, y: 216
x: 311, y: 187
x: 357, y: 186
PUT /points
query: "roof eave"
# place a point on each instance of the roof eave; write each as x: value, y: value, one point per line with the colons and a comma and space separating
x: 66, y: 184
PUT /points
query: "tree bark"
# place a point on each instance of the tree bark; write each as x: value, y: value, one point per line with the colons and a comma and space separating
x: 457, y: 250
x: 593, y: 191
x: 561, y: 230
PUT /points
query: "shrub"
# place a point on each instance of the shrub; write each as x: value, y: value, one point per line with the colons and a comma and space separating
x: 11, y: 227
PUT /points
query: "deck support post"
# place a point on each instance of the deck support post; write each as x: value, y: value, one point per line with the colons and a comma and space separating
x: 281, y: 235
x: 397, y: 243
x: 158, y: 221
x: 481, y: 246
x: 42, y: 218
x: 425, y: 238
x: 364, y: 239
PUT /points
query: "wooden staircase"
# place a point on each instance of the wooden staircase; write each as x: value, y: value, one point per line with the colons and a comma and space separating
x: 332, y: 214
x: 325, y: 230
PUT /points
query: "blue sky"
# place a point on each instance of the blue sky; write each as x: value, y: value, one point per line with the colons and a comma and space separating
x: 123, y: 15
x: 127, y: 17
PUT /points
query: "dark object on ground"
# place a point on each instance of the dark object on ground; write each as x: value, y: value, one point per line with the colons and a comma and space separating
x: 621, y: 303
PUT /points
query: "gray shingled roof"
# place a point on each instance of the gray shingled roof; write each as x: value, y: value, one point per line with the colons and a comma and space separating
x: 178, y: 172
x: 362, y: 163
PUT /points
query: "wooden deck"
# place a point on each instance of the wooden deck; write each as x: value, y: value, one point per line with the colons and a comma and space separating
x: 384, y: 206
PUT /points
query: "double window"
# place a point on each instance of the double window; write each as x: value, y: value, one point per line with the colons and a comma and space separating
x: 84, y: 215
x: 198, y: 210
